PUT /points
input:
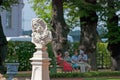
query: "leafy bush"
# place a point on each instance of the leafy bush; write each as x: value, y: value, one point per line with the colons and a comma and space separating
x: 73, y: 47
x: 86, y: 74
x: 103, y: 56
x: 24, y: 51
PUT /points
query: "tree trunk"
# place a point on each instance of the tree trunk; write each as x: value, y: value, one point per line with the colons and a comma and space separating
x: 114, y: 48
x: 3, y: 48
x: 113, y: 37
x: 88, y: 34
x: 1, y: 2
x: 59, y: 27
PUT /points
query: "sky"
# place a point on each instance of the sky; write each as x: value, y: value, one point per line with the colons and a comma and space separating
x: 27, y: 15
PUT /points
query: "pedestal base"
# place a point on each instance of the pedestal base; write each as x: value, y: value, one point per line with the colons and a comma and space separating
x: 40, y: 66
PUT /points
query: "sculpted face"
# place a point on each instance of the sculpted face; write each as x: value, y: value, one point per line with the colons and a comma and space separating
x: 40, y: 34
x: 38, y: 25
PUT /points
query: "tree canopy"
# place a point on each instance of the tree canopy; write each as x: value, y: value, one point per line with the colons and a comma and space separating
x: 6, y: 4
x: 86, y: 14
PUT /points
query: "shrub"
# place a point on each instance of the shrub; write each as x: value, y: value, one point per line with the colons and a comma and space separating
x: 24, y: 51
x: 86, y: 74
x: 103, y: 56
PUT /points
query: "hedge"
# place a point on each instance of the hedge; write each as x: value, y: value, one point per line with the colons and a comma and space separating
x: 24, y: 50
x: 86, y: 74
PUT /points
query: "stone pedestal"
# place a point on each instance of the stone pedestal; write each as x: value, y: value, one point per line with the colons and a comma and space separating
x: 12, y: 70
x: 41, y: 36
x: 40, y: 66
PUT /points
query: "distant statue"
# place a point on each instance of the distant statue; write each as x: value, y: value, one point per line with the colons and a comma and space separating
x: 40, y: 33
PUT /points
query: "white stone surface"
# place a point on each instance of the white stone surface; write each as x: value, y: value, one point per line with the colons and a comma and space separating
x: 40, y: 33
x: 40, y: 66
x: 19, y: 38
x: 41, y: 36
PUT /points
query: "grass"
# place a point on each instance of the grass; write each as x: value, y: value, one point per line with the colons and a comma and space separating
x: 102, y: 79
x: 87, y: 74
x: 96, y: 75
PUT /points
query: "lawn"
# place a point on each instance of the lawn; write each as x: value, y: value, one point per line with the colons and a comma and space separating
x: 102, y: 79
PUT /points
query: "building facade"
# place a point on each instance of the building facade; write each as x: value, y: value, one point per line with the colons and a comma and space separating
x: 12, y: 20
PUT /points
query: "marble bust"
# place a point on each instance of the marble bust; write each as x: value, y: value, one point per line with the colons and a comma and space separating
x: 40, y: 33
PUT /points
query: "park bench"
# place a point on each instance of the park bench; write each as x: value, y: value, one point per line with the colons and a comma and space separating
x: 55, y: 68
x: 59, y: 69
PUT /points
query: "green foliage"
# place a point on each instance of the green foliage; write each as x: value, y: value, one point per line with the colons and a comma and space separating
x: 108, y: 11
x: 83, y: 7
x: 71, y: 13
x: 23, y: 51
x: 107, y: 8
x: 73, y: 46
x: 97, y: 75
x: 103, y: 56
x: 102, y: 30
x: 113, y: 34
x: 43, y: 9
x: 6, y: 4
x: 85, y: 75
x: 51, y: 54
x: 71, y: 16
x: 74, y: 9
x: 79, y: 8
x: 12, y: 55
